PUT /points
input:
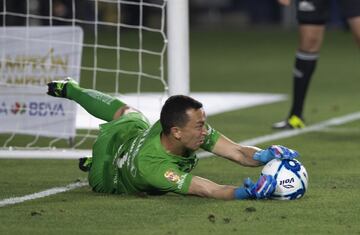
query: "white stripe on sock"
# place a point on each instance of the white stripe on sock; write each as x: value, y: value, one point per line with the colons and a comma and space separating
x: 307, y: 56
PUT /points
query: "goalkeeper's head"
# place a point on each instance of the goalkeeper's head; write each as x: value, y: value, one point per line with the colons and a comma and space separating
x: 183, y: 119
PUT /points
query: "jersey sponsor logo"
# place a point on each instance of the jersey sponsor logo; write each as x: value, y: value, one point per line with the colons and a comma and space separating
x: 181, y: 181
x: 306, y: 6
x: 172, y: 176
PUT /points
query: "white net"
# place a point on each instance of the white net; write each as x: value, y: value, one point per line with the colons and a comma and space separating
x: 114, y: 46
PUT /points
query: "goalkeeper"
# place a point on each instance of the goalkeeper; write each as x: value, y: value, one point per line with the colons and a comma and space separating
x: 132, y: 157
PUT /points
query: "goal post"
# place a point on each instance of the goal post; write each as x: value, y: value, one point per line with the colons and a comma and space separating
x: 126, y: 43
x: 178, y: 48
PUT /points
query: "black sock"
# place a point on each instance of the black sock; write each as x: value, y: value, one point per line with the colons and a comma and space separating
x: 305, y: 64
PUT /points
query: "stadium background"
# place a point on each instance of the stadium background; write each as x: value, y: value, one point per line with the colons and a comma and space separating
x: 246, y: 54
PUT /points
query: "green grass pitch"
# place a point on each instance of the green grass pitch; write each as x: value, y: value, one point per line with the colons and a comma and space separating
x: 244, y: 61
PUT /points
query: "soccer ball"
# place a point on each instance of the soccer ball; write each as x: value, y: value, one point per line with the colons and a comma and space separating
x: 291, y: 178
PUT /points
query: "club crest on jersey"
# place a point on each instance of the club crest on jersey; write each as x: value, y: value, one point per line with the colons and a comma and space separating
x: 172, y: 176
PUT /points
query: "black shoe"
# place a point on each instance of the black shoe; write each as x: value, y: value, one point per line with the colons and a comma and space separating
x: 58, y: 88
x: 85, y: 163
x: 294, y: 122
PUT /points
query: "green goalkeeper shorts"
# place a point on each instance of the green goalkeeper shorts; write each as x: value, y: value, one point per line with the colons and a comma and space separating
x: 111, y: 136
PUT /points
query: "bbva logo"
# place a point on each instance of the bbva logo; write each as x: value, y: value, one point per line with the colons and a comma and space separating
x: 43, y: 109
x: 32, y: 108
x: 287, y: 183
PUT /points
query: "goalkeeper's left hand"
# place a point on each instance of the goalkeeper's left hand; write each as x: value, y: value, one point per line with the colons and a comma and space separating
x: 275, y: 151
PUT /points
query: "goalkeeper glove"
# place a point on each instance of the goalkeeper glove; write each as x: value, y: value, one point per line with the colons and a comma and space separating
x: 275, y: 151
x: 263, y: 188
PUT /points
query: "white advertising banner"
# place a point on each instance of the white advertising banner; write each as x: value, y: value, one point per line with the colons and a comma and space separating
x: 30, y: 57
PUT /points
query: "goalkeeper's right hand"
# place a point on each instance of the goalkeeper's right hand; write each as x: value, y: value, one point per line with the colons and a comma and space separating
x: 262, y: 189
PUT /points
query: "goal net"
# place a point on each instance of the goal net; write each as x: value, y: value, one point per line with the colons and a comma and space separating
x: 115, y: 46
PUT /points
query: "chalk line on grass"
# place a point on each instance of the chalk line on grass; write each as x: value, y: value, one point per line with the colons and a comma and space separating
x: 45, y: 193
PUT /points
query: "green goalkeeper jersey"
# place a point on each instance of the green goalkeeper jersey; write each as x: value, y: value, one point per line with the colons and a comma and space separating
x: 145, y: 166
x: 141, y: 164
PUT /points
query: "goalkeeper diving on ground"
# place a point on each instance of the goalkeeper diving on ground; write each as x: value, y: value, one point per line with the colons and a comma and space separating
x: 130, y: 156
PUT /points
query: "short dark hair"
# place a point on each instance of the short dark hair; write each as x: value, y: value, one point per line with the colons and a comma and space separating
x: 173, y: 113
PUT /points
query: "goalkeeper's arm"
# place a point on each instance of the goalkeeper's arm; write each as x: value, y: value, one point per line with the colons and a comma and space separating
x: 243, y: 155
x: 262, y: 189
x: 250, y: 155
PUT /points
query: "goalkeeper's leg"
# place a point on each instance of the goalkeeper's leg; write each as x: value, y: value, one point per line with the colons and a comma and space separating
x: 98, y: 104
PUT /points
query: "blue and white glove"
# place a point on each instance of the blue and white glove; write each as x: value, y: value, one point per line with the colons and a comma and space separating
x: 263, y: 188
x: 275, y: 151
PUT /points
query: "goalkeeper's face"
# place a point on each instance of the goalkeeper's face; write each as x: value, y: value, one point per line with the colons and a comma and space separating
x: 192, y: 135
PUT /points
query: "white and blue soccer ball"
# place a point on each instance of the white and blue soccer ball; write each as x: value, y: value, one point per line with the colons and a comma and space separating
x: 291, y: 178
